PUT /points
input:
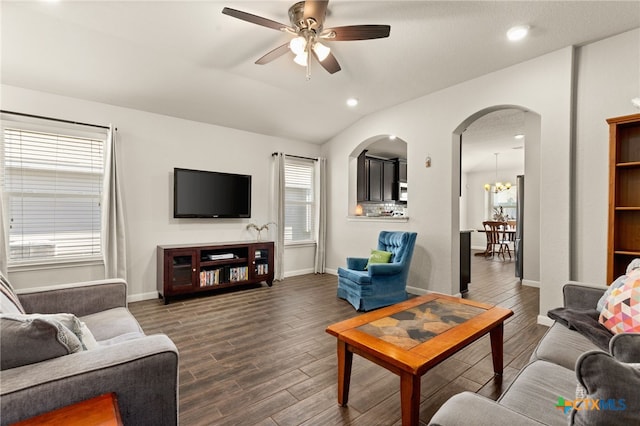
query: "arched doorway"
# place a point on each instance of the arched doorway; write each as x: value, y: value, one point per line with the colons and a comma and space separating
x: 476, y: 141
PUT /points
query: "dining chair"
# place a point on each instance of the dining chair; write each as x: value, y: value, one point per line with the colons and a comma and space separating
x: 494, y: 231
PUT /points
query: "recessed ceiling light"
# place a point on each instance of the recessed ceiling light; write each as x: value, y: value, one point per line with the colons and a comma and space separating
x: 519, y: 136
x: 518, y: 32
x: 352, y: 102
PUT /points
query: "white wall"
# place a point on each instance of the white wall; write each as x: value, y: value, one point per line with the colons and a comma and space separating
x: 571, y: 173
x: 608, y: 78
x: 150, y: 146
x: 542, y: 85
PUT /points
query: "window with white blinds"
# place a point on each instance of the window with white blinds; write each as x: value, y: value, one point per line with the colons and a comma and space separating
x: 52, y: 188
x: 299, y: 209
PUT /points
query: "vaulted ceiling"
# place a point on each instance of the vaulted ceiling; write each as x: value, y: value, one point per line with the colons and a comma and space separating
x: 188, y: 60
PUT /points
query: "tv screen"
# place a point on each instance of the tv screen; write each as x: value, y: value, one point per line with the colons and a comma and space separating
x: 199, y: 193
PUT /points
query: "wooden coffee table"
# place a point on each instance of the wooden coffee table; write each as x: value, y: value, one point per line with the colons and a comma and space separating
x: 411, y: 337
x: 99, y: 411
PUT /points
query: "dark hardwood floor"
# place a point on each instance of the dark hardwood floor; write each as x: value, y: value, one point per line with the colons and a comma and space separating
x: 260, y: 356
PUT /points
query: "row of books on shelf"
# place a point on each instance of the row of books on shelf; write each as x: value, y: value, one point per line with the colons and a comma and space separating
x: 262, y: 268
x: 226, y: 274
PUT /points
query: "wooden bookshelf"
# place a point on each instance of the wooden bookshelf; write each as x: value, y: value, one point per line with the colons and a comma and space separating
x: 624, y: 194
x: 195, y: 268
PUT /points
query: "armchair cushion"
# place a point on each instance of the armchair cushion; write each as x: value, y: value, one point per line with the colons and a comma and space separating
x: 378, y: 256
x: 359, y: 277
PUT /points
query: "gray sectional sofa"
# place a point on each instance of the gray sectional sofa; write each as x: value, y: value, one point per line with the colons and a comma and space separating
x: 44, y: 369
x: 546, y: 390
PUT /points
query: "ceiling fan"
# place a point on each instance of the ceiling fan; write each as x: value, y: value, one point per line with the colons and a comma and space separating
x: 307, y: 27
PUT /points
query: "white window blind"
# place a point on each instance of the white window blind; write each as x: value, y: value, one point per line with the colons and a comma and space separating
x: 52, y: 187
x: 299, y: 213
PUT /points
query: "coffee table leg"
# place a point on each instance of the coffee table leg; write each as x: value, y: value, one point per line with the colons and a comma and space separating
x: 410, y: 399
x: 497, y: 335
x: 345, y: 359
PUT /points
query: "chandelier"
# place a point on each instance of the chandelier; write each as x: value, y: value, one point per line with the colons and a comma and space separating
x: 497, y: 186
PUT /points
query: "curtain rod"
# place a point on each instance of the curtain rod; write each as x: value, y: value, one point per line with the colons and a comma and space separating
x: 295, y: 156
x: 21, y: 114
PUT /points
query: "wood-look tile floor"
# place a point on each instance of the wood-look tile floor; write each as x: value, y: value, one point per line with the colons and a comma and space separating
x: 260, y: 356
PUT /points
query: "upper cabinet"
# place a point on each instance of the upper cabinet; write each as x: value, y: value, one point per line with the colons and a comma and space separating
x: 624, y: 194
x: 378, y: 178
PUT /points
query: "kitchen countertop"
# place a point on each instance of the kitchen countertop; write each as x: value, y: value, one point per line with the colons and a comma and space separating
x: 378, y: 218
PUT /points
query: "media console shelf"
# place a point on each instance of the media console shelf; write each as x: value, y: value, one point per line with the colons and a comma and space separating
x: 194, y: 268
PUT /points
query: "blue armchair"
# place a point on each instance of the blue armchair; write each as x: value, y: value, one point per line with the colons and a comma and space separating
x: 381, y: 284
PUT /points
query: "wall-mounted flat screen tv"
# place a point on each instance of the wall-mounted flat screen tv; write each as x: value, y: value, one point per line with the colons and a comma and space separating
x: 199, y: 193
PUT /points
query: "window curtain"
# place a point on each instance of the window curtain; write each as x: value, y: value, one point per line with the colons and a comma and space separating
x: 4, y: 241
x: 321, y: 215
x: 278, y: 214
x: 114, y: 248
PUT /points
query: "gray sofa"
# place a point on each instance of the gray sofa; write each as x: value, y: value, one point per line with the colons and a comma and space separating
x: 562, y: 359
x: 141, y: 370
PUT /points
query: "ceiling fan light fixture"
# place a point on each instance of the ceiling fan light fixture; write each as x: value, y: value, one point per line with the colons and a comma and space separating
x: 321, y: 51
x: 298, y: 45
x: 301, y: 59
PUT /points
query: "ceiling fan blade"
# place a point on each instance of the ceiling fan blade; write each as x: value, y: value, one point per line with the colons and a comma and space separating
x: 330, y: 63
x: 315, y: 9
x: 356, y: 32
x: 254, y: 19
x: 274, y: 54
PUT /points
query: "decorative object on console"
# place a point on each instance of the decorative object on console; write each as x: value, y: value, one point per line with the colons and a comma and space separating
x: 259, y: 229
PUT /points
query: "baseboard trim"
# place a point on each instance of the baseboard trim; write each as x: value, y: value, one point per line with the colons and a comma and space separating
x: 298, y: 272
x: 142, y: 296
x: 530, y: 283
x: 544, y: 320
x: 417, y: 290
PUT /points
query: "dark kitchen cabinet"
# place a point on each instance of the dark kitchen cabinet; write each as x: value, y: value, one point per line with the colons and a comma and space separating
x: 376, y: 179
x: 388, y: 179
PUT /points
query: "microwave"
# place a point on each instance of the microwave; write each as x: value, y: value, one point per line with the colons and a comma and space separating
x: 402, y: 191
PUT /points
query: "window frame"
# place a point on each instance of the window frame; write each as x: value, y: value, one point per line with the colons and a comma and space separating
x: 30, y: 124
x: 312, y: 203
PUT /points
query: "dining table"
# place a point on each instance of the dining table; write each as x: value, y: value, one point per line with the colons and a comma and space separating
x: 510, y: 234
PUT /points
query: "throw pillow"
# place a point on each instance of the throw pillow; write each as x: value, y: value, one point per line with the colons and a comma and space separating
x: 9, y: 302
x: 621, y: 312
x: 633, y: 265
x: 607, y: 391
x: 27, y: 339
x: 619, y: 282
x: 378, y: 256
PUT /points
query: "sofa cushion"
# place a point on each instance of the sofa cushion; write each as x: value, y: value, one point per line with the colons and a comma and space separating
x: 27, y: 339
x: 536, y: 389
x: 112, y: 323
x: 610, y: 395
x: 9, y: 302
x: 621, y: 312
x: 562, y: 346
